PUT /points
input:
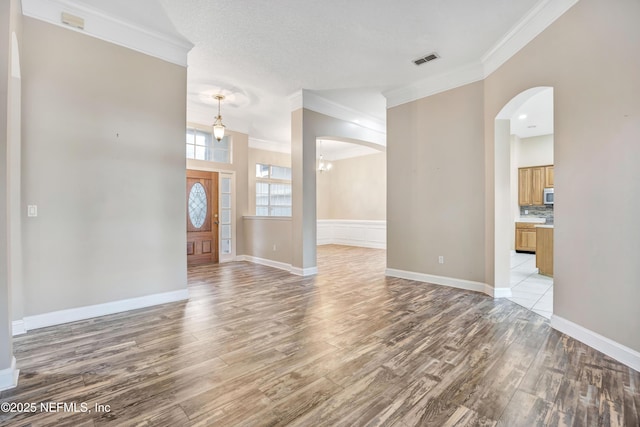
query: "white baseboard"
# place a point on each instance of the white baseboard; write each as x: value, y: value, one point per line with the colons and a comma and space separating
x: 279, y: 265
x: 361, y: 233
x: 18, y: 327
x: 263, y: 261
x: 90, y: 311
x: 304, y: 272
x: 601, y: 343
x: 441, y: 280
x: 9, y: 376
x: 498, y: 292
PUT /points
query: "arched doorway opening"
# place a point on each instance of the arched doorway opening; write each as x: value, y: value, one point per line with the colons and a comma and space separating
x: 524, y: 146
x: 351, y: 200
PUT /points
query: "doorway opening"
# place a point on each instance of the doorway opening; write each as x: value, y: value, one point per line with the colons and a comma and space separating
x: 524, y: 215
x: 350, y: 194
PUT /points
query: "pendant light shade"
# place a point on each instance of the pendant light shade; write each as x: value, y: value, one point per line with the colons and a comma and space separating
x: 324, y: 166
x: 218, y: 127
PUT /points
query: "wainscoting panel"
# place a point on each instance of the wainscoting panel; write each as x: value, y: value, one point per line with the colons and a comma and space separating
x: 365, y: 234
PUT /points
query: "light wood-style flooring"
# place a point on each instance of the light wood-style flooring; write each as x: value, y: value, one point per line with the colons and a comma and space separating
x: 256, y: 346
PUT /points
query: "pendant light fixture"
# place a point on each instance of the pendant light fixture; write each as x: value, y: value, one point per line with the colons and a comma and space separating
x: 218, y: 127
x: 324, y: 166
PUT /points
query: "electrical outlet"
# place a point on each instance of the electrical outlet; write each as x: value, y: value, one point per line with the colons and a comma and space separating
x: 440, y: 259
x: 32, y: 210
x: 526, y: 211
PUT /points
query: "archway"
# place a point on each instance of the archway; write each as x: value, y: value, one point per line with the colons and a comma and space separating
x: 351, y: 193
x: 306, y: 127
x: 506, y: 180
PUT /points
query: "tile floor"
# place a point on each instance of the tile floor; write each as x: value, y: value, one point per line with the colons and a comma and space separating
x: 528, y: 288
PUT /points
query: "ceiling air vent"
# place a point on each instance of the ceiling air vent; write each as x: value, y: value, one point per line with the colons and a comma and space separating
x: 425, y: 59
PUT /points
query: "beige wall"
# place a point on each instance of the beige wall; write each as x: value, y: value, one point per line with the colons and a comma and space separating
x: 535, y: 151
x: 103, y: 140
x: 265, y: 157
x: 237, y: 167
x: 268, y: 238
x: 596, y: 109
x: 355, y: 189
x: 435, y: 185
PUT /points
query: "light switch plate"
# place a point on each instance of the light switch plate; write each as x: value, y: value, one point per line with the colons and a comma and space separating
x: 32, y: 210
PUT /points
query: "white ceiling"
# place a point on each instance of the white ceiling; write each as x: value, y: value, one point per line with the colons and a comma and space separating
x: 333, y: 150
x: 345, y: 55
x: 260, y: 53
x: 535, y: 116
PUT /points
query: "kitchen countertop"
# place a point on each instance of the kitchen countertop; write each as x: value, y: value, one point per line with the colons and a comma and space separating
x: 531, y: 220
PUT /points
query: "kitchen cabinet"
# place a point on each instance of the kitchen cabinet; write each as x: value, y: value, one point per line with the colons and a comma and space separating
x: 524, y: 186
x: 531, y: 184
x: 525, y: 237
x: 548, y: 176
x: 544, y: 250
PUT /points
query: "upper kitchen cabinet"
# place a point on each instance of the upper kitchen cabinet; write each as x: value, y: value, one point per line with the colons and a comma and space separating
x: 548, y: 176
x: 531, y: 184
x: 524, y: 186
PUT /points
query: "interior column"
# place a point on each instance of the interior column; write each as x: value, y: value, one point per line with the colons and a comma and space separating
x: 303, y: 209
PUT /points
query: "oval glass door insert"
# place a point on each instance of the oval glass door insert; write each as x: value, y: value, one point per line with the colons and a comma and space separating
x: 197, y: 205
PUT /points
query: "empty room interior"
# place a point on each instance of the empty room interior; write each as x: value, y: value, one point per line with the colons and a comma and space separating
x: 231, y: 213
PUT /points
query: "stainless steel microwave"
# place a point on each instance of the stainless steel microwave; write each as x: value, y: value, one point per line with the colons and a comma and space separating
x: 548, y: 196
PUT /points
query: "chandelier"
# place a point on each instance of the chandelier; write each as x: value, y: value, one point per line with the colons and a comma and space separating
x: 324, y: 166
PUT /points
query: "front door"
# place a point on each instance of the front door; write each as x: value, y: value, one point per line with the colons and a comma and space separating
x: 202, y: 217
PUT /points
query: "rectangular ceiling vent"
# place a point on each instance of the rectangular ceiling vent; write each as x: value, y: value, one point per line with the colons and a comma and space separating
x: 425, y: 59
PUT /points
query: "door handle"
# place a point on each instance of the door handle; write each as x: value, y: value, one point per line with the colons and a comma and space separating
x: 216, y: 222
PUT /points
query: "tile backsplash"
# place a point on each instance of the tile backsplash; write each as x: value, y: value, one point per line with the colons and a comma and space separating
x: 545, y: 211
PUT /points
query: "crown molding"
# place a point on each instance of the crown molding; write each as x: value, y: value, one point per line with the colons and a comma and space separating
x: 529, y: 27
x: 165, y: 46
x: 295, y: 100
x: 312, y: 101
x: 436, y: 84
x: 263, y: 144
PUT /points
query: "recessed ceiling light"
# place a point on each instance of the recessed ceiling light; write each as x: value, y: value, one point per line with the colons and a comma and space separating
x: 522, y: 116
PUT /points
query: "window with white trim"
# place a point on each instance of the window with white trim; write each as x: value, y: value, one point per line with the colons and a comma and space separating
x: 225, y: 214
x: 202, y: 146
x: 273, y: 190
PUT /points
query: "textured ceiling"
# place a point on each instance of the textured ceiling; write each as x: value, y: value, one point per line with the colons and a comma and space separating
x: 348, y: 51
